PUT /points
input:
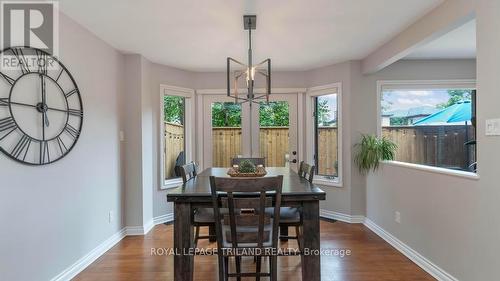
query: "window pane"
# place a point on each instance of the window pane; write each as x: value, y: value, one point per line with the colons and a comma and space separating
x: 173, y: 111
x: 274, y: 120
x: 326, y: 136
x: 431, y: 127
x: 226, y: 133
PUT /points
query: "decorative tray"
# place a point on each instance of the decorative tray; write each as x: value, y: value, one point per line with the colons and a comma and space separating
x: 259, y: 172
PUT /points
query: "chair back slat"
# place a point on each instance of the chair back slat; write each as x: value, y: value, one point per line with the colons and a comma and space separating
x: 189, y: 171
x: 247, y: 219
x: 246, y: 203
x: 246, y: 185
x: 252, y: 230
x: 255, y: 160
x: 306, y: 171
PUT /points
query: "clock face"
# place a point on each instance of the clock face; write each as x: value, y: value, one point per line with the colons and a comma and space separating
x: 41, y: 112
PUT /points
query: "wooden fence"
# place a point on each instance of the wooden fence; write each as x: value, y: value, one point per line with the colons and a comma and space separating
x: 226, y: 143
x: 273, y: 146
x: 441, y: 146
x: 174, y: 144
x: 327, y: 151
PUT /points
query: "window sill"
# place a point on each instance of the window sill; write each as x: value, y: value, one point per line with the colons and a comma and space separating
x: 437, y: 170
x: 327, y: 182
x: 169, y: 184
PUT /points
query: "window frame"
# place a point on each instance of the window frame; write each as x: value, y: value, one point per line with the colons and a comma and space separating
x: 310, y: 130
x: 189, y: 117
x: 424, y: 85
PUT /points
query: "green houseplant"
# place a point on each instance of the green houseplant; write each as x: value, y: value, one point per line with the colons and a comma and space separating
x: 247, y: 166
x: 371, y: 150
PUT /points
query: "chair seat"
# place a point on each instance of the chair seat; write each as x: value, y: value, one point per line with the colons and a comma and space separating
x: 251, y: 231
x: 287, y: 214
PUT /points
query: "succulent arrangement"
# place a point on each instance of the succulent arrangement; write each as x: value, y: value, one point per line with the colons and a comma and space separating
x: 247, y: 166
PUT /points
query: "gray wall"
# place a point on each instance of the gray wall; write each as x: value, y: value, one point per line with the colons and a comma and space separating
x: 52, y: 216
x: 452, y: 221
x: 437, y: 210
x: 160, y: 74
x: 338, y: 199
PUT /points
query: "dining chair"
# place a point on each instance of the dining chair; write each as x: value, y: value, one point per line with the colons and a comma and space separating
x: 292, y: 216
x: 255, y: 160
x: 306, y: 171
x: 246, y: 234
x: 202, y: 217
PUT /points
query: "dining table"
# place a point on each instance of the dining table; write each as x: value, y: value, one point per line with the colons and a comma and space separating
x: 296, y: 192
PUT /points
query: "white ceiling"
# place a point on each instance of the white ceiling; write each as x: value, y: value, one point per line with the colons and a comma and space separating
x: 200, y: 34
x: 459, y: 43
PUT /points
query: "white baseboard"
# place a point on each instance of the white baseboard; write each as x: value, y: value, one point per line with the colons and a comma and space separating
x: 340, y: 216
x: 406, y: 250
x: 417, y: 258
x: 413, y: 255
x: 163, y: 219
x: 135, y: 230
x: 85, y: 261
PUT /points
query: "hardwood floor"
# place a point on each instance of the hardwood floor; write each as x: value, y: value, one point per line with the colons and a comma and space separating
x: 371, y: 258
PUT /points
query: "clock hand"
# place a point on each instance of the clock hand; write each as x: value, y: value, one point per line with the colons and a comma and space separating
x: 43, y: 105
x: 46, y: 119
x: 34, y: 106
x: 44, y: 102
x: 22, y: 104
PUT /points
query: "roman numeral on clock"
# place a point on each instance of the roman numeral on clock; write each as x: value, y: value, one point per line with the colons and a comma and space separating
x: 4, y: 102
x: 61, y: 145
x: 21, y: 59
x: 75, y: 112
x: 8, y: 78
x: 22, y: 147
x: 7, y: 123
x: 71, y: 131
x: 70, y: 93
x: 44, y: 152
x: 42, y: 62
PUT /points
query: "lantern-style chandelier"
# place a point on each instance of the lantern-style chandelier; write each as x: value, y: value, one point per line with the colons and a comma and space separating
x: 248, y: 71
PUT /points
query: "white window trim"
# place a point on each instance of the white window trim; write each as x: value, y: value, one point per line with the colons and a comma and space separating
x: 309, y: 130
x: 200, y: 93
x: 422, y: 85
x: 189, y: 117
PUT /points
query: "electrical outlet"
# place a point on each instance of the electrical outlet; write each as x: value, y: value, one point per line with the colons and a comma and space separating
x: 397, y: 217
x: 111, y: 217
x: 122, y: 136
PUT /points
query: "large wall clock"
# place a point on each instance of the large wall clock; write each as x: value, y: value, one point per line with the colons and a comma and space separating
x: 41, y: 112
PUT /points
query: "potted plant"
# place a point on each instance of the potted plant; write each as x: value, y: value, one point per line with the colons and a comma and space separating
x: 247, y: 166
x: 371, y: 150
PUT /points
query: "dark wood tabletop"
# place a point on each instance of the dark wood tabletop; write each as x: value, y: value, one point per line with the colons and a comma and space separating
x: 199, y: 188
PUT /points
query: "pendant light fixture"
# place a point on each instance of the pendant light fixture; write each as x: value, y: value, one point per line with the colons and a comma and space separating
x: 248, y: 71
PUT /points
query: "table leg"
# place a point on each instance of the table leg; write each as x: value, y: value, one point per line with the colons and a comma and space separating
x: 311, y: 264
x: 211, y: 232
x: 183, y: 241
x: 284, y: 232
